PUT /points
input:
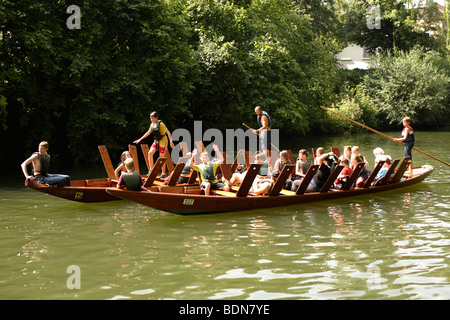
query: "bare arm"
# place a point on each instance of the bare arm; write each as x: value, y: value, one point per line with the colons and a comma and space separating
x: 144, y: 136
x: 25, y: 164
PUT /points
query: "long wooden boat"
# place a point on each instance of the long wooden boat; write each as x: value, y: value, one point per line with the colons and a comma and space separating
x: 190, y: 200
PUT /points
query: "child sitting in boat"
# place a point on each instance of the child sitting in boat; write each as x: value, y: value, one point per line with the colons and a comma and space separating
x: 363, y: 175
x: 131, y: 179
x: 121, y: 166
x: 208, y: 171
x: 345, y: 173
x: 384, y: 169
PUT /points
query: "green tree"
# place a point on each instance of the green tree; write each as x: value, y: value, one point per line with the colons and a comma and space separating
x: 95, y: 85
x: 259, y: 53
x: 384, y: 24
x: 409, y: 84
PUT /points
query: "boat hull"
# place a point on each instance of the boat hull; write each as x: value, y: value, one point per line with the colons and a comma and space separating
x: 172, y: 200
x: 87, y: 191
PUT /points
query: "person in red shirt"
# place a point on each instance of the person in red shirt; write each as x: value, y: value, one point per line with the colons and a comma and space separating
x: 345, y: 173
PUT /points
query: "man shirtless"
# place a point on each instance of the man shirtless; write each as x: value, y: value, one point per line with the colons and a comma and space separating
x: 41, y: 162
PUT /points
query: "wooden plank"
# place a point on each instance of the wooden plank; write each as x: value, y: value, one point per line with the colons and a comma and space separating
x: 107, y: 162
x: 373, y: 174
x: 314, y: 152
x: 312, y: 170
x: 169, y: 162
x: 281, y: 180
x: 145, y: 150
x: 351, y: 180
x: 154, y: 173
x: 176, y: 173
x: 133, y: 150
x: 401, y: 170
x: 291, y: 158
x: 193, y: 177
x: 327, y: 185
x: 384, y: 179
x: 226, y: 171
x: 248, y: 180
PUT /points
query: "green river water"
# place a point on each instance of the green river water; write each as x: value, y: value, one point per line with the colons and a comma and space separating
x: 391, y: 245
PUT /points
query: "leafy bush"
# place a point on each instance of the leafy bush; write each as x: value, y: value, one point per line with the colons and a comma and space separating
x: 408, y: 84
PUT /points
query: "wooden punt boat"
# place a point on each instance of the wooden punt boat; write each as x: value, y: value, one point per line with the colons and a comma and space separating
x: 190, y: 200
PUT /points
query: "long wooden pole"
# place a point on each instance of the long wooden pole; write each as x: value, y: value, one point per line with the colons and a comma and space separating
x: 384, y: 135
x: 259, y: 135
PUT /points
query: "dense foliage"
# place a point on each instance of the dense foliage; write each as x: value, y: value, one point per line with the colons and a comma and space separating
x: 209, y: 60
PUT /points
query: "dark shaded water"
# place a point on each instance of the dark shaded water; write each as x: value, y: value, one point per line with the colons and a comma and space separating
x: 392, y: 245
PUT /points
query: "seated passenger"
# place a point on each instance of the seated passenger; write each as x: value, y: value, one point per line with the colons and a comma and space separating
x: 131, y: 179
x: 41, y: 162
x: 384, y: 169
x: 326, y: 162
x: 208, y: 171
x: 121, y: 166
x: 346, y: 153
x: 355, y: 152
x: 363, y: 175
x: 344, y: 175
x: 280, y: 163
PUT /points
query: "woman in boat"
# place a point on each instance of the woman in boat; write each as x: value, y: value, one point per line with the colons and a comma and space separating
x: 41, y: 163
x: 162, y: 138
x: 347, y: 153
x: 208, y: 171
x: 130, y: 179
x: 280, y: 163
x: 355, y: 153
x: 121, y: 167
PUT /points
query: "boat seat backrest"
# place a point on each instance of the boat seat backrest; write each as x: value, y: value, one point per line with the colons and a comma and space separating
x: 327, y: 185
x: 373, y: 174
x: 406, y: 162
x: 312, y: 170
x: 246, y: 184
x: 351, y: 180
x: 281, y: 180
x: 176, y: 174
x: 155, y: 171
x: 390, y: 171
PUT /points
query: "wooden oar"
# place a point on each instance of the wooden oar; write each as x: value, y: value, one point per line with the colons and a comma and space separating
x: 259, y: 135
x: 384, y: 135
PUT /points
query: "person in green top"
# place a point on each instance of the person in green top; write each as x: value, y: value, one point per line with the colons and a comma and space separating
x: 208, y: 170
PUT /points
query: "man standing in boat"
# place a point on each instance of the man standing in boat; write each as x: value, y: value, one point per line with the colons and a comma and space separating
x: 160, y: 132
x: 41, y: 163
x: 264, y: 123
